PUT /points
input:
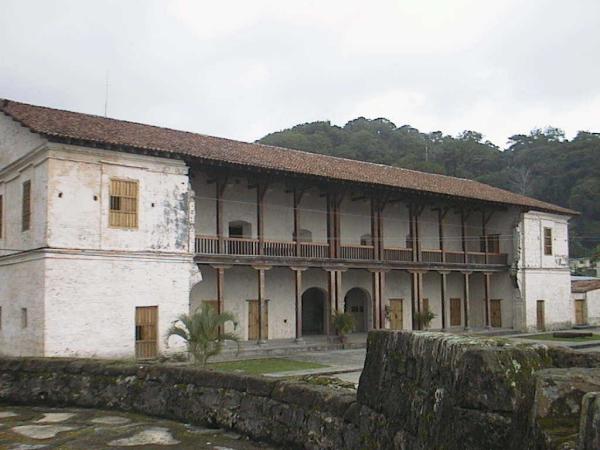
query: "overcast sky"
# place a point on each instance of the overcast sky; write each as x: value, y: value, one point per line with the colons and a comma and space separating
x: 242, y: 69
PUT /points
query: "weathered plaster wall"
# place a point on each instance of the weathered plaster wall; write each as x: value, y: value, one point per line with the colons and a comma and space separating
x: 355, y: 219
x: 592, y: 301
x: 16, y: 141
x: 22, y: 285
x: 313, y: 215
x: 396, y: 226
x: 90, y: 301
x: 78, y: 201
x: 545, y: 277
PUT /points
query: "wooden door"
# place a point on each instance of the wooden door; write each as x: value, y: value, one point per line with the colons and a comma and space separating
x: 455, y: 314
x: 253, y: 320
x: 396, y: 313
x: 425, y: 304
x: 580, y: 318
x: 214, y: 304
x: 146, y: 332
x: 496, y: 313
x: 541, y: 321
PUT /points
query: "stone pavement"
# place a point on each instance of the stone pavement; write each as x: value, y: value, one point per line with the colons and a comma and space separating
x: 30, y: 428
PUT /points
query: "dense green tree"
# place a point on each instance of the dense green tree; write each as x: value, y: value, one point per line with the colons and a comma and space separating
x: 542, y: 164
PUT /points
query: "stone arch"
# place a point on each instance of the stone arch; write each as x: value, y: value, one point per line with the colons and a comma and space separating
x: 356, y: 303
x: 314, y: 311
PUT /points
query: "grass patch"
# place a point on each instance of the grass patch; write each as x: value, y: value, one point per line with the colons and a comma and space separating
x: 264, y: 365
x: 549, y: 337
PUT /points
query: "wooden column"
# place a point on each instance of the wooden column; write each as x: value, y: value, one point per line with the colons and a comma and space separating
x: 443, y: 297
x: 338, y: 224
x: 331, y: 306
x: 376, y: 295
x: 463, y: 234
x: 220, y: 190
x: 261, y: 189
x: 486, y: 283
x: 298, y: 288
x: 297, y: 197
x: 330, y: 226
x: 339, y: 301
x: 262, y: 300
x: 220, y: 275
x: 485, y: 240
x: 441, y: 215
x: 413, y: 237
x: 375, y: 227
x: 415, y: 298
x: 467, y: 299
x: 382, y: 300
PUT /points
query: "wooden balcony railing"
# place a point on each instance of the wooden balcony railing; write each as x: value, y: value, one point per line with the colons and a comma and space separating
x: 318, y: 250
x: 209, y: 245
x: 398, y: 254
x: 356, y: 252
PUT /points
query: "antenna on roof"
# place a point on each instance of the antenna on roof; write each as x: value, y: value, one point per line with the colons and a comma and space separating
x: 106, y: 96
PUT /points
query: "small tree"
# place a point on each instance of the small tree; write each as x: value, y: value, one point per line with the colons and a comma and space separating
x: 343, y: 324
x: 200, y: 331
x: 424, y: 318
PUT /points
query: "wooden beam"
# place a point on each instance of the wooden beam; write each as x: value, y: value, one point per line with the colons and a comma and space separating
x: 443, y: 297
x: 261, y: 190
x: 467, y: 299
x: 486, y: 286
x: 376, y: 296
x: 297, y: 198
x: 220, y: 186
x: 298, y: 290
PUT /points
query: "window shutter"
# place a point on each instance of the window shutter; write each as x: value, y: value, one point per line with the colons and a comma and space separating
x: 123, y: 208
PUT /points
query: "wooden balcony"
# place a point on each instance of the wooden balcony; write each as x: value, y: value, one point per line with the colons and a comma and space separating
x: 212, y: 245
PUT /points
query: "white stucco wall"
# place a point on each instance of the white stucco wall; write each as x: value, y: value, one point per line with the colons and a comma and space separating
x: 396, y: 225
x: 355, y: 217
x: 16, y: 141
x: 90, y: 301
x: 545, y: 277
x: 592, y: 302
x: 22, y: 286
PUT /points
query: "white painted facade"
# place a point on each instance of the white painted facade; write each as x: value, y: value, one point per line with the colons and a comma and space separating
x: 80, y: 280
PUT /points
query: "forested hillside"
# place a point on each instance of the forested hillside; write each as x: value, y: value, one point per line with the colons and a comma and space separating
x: 542, y: 164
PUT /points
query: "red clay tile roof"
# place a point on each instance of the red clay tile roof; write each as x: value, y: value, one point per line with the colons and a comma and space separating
x: 59, y: 124
x: 580, y: 286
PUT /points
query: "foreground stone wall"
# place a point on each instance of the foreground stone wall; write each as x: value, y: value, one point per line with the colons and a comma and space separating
x: 418, y: 391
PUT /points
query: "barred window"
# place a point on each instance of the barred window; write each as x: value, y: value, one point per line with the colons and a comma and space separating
x: 26, y: 206
x: 123, y: 204
x: 547, y: 241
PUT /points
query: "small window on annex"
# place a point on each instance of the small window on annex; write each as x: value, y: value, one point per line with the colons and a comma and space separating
x: 547, y: 241
x: 123, y: 209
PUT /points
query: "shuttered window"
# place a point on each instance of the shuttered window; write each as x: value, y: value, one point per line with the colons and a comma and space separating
x: 123, y: 204
x: 1, y: 216
x: 547, y: 241
x: 26, y: 206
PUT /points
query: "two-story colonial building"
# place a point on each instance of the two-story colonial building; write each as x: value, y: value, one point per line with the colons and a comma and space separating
x: 111, y: 229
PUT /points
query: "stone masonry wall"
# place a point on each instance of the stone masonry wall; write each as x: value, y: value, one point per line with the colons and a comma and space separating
x: 418, y: 391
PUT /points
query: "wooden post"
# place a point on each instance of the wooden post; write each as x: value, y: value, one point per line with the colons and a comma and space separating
x: 384, y: 300
x: 375, y: 227
x: 220, y: 190
x: 339, y: 306
x: 331, y: 285
x: 261, y: 189
x: 467, y: 300
x: 444, y: 295
x: 414, y: 295
x: 485, y: 239
x: 297, y: 198
x: 381, y: 253
x: 220, y: 273
x: 463, y: 233
x: 298, y: 285
x: 441, y: 216
x: 261, y: 303
x: 338, y: 224
x: 330, y: 226
x: 486, y: 283
x: 413, y: 238
x: 376, y: 290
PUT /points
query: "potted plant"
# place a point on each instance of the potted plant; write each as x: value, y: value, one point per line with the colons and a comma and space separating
x: 203, y: 332
x: 424, y: 318
x: 343, y: 323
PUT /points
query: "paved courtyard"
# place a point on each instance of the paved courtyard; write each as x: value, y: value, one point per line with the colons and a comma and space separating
x: 30, y: 428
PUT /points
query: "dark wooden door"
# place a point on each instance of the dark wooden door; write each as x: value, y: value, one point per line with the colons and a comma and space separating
x: 396, y: 313
x: 146, y: 332
x: 496, y: 313
x: 580, y: 318
x: 540, y: 319
x: 455, y: 314
x: 253, y: 320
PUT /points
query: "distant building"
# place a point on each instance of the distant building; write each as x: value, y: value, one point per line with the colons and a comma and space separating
x: 586, y: 301
x: 111, y: 229
x: 585, y: 266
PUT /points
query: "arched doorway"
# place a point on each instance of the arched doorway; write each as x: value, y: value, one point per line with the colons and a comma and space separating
x: 313, y: 311
x: 356, y: 303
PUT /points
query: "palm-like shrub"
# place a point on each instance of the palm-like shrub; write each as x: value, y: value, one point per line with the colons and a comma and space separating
x: 203, y: 332
x: 343, y: 324
x: 424, y: 318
